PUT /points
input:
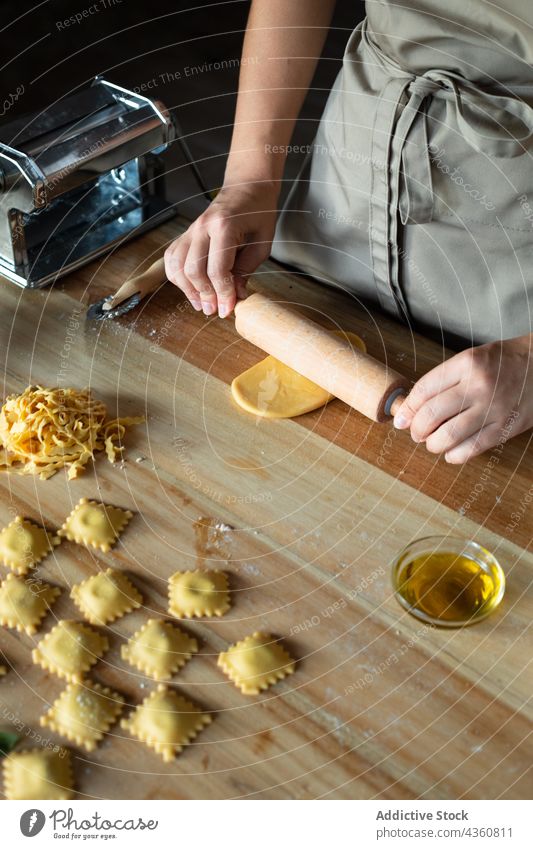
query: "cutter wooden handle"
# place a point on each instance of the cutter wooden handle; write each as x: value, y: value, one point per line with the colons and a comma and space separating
x: 142, y: 285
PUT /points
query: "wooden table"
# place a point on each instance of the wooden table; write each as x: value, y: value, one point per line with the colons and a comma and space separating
x: 380, y: 706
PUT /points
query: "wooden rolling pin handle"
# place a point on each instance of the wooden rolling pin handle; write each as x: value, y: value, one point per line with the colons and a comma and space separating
x: 334, y: 364
x: 143, y: 284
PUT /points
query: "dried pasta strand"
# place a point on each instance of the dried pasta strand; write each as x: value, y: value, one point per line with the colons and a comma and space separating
x: 43, y: 430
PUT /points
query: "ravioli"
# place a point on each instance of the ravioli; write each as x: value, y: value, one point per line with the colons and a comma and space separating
x: 255, y: 663
x: 166, y: 722
x: 70, y: 649
x: 83, y: 713
x: 23, y: 544
x: 105, y: 597
x: 94, y: 524
x: 38, y: 774
x: 23, y: 603
x: 159, y: 649
x: 198, y: 593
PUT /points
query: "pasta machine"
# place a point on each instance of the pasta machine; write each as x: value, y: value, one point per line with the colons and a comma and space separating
x: 78, y: 178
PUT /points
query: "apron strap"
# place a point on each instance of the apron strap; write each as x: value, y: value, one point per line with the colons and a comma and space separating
x: 497, y: 125
x: 493, y: 124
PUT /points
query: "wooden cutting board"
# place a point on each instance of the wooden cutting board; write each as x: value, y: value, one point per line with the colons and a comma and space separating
x: 380, y: 706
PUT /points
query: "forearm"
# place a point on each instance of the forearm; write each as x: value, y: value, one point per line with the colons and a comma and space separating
x: 282, y: 45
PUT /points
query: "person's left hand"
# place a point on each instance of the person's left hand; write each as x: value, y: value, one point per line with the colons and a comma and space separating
x: 473, y: 401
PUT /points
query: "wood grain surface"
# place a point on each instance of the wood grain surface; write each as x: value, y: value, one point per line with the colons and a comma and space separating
x: 380, y: 706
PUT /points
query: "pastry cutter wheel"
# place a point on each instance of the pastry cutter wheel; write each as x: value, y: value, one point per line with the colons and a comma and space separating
x: 130, y: 293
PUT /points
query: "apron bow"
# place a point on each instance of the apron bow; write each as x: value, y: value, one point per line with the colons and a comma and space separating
x: 494, y: 123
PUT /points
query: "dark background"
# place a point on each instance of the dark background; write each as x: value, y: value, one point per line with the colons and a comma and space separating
x: 133, y: 43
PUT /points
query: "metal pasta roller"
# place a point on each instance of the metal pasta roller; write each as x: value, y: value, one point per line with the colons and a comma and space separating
x: 78, y: 178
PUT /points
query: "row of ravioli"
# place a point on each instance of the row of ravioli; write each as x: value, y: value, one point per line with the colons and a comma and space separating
x: 85, y: 711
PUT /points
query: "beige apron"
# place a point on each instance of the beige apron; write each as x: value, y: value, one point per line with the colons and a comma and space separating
x: 418, y: 190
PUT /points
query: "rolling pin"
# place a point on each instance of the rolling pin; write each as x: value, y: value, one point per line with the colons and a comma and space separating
x: 359, y: 380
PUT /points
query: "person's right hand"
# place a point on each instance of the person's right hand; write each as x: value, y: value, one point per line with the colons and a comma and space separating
x: 212, y: 260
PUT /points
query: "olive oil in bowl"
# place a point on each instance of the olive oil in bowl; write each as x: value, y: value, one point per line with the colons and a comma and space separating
x: 448, y: 581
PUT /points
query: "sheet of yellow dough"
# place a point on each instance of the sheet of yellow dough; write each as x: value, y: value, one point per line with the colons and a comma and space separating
x: 275, y: 391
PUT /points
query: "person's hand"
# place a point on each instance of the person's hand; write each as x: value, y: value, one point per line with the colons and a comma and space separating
x: 473, y: 401
x: 211, y: 261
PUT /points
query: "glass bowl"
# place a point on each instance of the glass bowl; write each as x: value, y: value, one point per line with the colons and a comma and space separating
x: 448, y: 581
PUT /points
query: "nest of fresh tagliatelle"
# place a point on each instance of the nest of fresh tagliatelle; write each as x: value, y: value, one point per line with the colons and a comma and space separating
x: 44, y: 430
